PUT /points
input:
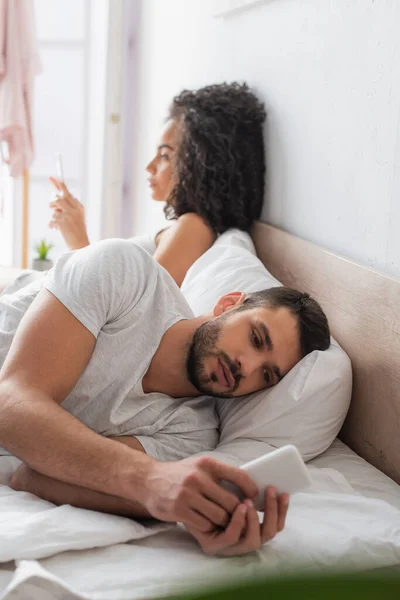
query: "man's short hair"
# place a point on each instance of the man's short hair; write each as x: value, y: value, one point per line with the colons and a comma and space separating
x: 312, y: 322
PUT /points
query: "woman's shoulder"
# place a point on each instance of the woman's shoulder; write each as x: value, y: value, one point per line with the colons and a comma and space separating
x: 183, y: 243
x: 193, y: 223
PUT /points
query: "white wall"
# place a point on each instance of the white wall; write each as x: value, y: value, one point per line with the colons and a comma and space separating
x: 329, y: 73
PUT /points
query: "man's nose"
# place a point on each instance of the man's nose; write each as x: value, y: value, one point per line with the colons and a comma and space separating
x: 249, y: 364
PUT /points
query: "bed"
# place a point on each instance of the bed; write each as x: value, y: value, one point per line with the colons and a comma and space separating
x: 7, y: 276
x: 358, y: 476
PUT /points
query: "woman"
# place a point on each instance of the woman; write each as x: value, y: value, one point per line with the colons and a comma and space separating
x: 209, y: 170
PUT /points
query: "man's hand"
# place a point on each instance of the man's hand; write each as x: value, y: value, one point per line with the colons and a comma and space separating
x: 244, y: 533
x: 189, y: 491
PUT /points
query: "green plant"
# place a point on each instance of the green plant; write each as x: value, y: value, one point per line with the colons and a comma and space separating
x: 43, y: 249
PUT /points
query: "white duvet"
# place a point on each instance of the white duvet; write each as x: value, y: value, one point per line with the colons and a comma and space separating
x: 92, y: 555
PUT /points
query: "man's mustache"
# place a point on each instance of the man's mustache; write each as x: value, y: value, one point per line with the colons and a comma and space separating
x: 233, y: 367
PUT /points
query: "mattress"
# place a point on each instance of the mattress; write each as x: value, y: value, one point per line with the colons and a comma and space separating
x: 171, y: 561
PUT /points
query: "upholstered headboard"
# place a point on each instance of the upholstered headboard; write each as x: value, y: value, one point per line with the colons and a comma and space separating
x: 363, y: 308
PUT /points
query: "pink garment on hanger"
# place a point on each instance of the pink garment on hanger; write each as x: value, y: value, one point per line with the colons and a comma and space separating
x: 19, y: 64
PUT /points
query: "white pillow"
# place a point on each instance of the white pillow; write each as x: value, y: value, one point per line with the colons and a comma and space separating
x: 307, y: 408
x: 229, y: 265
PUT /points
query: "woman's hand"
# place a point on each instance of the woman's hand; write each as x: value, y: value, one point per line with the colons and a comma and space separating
x: 68, y: 217
x: 244, y: 532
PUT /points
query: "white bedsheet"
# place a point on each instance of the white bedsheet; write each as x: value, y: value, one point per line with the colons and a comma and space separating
x: 363, y: 477
x: 33, y: 528
x: 331, y: 525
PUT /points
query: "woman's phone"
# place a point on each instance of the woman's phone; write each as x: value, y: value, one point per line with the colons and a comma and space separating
x: 59, y: 168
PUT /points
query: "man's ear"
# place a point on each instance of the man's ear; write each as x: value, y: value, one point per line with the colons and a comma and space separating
x: 227, y: 302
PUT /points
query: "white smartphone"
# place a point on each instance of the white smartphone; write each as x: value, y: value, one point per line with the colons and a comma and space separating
x: 283, y: 468
x: 59, y: 167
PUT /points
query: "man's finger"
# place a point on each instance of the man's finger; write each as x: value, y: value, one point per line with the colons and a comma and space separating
x: 227, y: 500
x: 214, y: 513
x: 252, y: 539
x: 191, y: 518
x: 221, y: 471
x: 234, y: 531
x: 225, y: 542
x: 270, y: 524
x: 283, y: 506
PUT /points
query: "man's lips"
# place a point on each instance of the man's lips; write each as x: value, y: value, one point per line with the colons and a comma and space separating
x: 225, y: 375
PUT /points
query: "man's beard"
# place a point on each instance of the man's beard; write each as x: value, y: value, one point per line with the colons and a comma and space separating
x: 203, y: 346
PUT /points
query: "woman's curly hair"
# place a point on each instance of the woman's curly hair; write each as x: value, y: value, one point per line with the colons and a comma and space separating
x: 220, y: 159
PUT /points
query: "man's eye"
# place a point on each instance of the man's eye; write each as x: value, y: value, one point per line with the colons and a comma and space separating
x: 256, y: 341
x: 164, y: 156
x: 267, y: 376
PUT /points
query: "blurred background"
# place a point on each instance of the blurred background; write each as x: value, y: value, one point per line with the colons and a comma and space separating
x: 77, y: 111
x: 329, y: 73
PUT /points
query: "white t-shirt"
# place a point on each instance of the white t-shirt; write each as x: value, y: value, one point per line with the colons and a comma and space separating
x: 127, y: 301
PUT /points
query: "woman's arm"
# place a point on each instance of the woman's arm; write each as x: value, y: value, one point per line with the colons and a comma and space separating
x: 182, y: 244
x: 26, y: 479
x: 68, y: 217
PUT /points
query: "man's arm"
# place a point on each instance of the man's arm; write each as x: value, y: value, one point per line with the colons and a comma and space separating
x: 58, y: 492
x: 50, y: 351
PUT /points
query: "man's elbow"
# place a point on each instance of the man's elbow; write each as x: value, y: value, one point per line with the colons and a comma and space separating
x: 21, y: 479
x: 14, y: 483
x: 7, y: 403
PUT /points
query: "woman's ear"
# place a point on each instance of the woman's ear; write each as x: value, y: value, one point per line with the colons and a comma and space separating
x: 227, y: 302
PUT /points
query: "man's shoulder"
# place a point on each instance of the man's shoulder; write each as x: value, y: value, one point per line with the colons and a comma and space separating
x: 117, y: 245
x: 119, y: 249
x: 113, y: 263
